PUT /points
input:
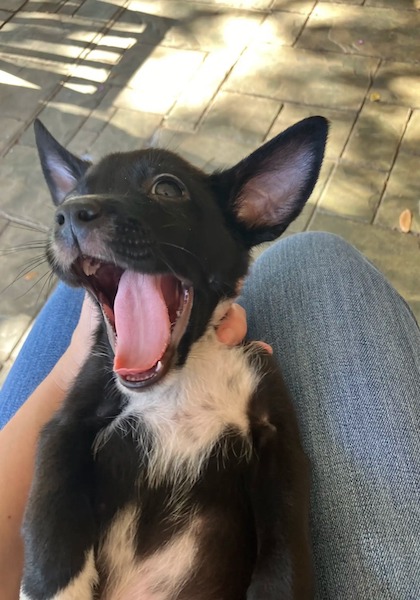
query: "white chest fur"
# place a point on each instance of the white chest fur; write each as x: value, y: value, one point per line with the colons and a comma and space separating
x: 188, y: 412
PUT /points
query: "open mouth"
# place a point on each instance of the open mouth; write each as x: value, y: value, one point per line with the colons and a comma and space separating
x: 146, y: 317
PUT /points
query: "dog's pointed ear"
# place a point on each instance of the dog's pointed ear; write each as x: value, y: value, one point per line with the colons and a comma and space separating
x: 264, y: 192
x: 62, y: 169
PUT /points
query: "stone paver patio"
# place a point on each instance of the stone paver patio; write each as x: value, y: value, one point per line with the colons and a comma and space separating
x: 212, y: 79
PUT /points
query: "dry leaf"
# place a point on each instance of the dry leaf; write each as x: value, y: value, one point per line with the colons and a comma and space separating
x: 405, y: 220
x: 375, y: 97
x: 30, y: 276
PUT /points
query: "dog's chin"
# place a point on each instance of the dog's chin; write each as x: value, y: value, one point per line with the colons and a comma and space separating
x: 102, y: 280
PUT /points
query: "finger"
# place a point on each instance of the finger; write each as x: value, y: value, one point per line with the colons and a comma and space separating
x: 265, y: 347
x: 232, y: 330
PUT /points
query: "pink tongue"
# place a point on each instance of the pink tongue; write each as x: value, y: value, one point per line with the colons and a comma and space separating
x: 141, y: 322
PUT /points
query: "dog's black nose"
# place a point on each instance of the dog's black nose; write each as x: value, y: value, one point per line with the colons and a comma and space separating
x: 77, y: 213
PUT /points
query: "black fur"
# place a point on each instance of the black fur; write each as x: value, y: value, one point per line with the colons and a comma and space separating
x: 255, y: 542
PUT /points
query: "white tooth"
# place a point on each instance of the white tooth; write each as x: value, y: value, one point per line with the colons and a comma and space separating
x: 90, y: 266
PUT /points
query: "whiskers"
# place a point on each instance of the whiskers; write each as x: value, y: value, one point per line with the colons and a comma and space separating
x: 23, y: 222
x: 34, y: 270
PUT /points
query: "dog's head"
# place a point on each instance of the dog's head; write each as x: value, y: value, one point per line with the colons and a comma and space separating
x: 159, y: 243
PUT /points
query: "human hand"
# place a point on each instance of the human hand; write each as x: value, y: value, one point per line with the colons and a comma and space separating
x: 232, y: 329
x: 80, y: 345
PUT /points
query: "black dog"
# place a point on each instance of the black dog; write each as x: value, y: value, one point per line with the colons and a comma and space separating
x: 174, y: 468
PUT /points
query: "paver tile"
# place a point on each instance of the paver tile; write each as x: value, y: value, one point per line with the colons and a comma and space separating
x: 9, y: 128
x: 69, y: 7
x: 104, y: 111
x: 36, y: 51
x: 83, y: 141
x: 7, y: 364
x: 193, y: 27
x: 98, y: 10
x: 402, y: 192
x: 22, y: 288
x: 201, y: 88
x: 24, y: 191
x: 240, y: 117
x: 340, y: 121
x: 395, y: 254
x: 202, y: 150
x: 86, y: 136
x: 353, y: 192
x: 51, y: 6
x: 388, y: 33
x: 4, y: 16
x: 4, y: 370
x: 246, y: 4
x: 11, y: 5
x: 375, y: 138
x: 22, y: 90
x: 12, y: 329
x: 281, y: 28
x: 402, y: 4
x: 331, y: 80
x: 299, y: 6
x: 47, y: 37
x: 65, y: 113
x: 345, y: 1
x: 398, y: 83
x: 303, y: 220
x: 133, y: 26
x: 411, y: 140
x: 154, y: 83
x: 126, y: 130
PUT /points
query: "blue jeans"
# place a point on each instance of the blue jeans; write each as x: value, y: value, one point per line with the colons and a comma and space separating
x: 349, y: 349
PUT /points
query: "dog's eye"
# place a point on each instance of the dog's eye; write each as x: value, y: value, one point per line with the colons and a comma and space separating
x: 168, y: 186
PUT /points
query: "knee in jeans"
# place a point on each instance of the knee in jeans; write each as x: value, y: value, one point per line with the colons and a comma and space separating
x: 310, y: 247
x: 321, y: 241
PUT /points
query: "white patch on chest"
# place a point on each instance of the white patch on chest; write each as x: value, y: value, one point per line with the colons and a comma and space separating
x: 160, y: 575
x: 191, y: 408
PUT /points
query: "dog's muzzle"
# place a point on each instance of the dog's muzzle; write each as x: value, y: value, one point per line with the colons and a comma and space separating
x: 146, y: 314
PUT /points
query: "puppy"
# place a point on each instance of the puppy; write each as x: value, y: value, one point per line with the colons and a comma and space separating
x: 174, y: 469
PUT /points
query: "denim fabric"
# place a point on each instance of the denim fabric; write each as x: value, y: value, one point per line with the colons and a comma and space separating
x: 349, y: 349
x: 46, y: 342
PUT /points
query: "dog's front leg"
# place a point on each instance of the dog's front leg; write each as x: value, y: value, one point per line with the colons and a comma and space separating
x: 280, y: 499
x: 80, y: 587
x: 59, y: 528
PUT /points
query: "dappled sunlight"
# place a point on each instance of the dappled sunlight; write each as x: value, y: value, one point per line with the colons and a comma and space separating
x: 104, y: 56
x: 117, y: 41
x: 70, y: 109
x: 9, y: 79
x: 326, y: 11
x: 155, y: 86
x: 97, y: 74
x: 80, y: 88
x: 52, y: 48
x: 236, y: 29
x: 399, y: 84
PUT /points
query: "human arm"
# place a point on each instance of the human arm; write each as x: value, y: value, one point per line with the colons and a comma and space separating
x: 18, y: 441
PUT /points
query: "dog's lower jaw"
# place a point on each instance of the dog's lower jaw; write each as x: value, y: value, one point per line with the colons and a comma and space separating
x: 166, y: 361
